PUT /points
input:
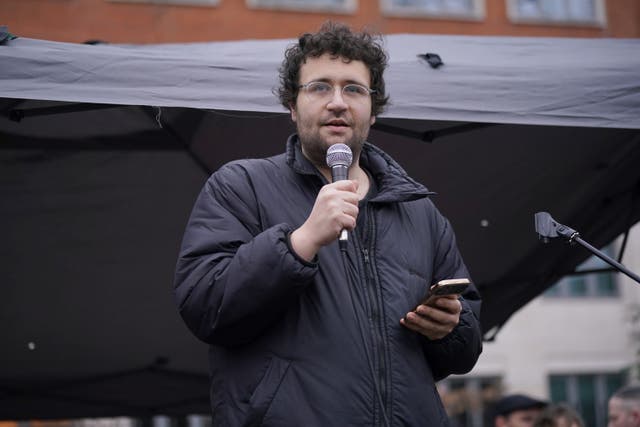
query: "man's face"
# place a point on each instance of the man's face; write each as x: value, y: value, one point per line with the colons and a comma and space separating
x: 322, y: 123
x: 521, y: 418
x: 621, y: 415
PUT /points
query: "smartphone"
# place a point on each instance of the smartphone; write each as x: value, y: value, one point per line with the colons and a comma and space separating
x: 446, y: 287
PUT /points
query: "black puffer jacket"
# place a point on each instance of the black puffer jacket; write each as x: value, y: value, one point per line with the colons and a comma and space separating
x: 319, y: 344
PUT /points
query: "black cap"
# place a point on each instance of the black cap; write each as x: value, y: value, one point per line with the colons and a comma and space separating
x: 517, y: 402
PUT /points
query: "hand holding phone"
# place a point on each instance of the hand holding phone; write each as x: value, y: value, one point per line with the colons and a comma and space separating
x: 437, y: 320
x: 445, y: 287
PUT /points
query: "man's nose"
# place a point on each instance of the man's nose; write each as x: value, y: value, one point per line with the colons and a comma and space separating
x: 337, y: 100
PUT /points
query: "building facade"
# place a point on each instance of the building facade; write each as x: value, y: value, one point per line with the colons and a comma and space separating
x: 165, y: 21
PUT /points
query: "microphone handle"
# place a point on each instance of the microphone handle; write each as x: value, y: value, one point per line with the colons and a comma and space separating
x: 341, y: 173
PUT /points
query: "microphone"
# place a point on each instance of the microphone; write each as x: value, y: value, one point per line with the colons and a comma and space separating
x: 339, y: 158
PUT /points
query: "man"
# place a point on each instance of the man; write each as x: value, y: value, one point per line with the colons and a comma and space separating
x: 303, y: 333
x: 517, y: 410
x: 624, y: 407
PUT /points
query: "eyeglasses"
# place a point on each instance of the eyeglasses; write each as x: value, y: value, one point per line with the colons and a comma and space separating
x: 323, y: 91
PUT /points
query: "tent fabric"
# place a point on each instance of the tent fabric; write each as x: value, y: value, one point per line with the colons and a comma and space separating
x: 103, y: 149
x: 542, y: 81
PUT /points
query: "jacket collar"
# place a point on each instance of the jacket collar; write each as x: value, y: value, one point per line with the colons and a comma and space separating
x: 394, y: 185
x: 296, y: 160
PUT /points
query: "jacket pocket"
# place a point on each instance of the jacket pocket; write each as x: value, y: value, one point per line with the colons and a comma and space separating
x: 266, y: 390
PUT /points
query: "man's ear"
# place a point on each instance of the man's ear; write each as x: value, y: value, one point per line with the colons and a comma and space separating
x: 372, y: 121
x: 292, y: 110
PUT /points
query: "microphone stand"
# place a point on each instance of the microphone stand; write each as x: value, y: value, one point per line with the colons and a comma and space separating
x: 548, y: 228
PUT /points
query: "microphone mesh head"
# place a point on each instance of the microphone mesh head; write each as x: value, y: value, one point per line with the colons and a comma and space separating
x: 339, y: 155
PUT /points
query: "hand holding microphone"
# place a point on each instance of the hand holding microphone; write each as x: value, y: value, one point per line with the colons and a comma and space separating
x: 335, y: 209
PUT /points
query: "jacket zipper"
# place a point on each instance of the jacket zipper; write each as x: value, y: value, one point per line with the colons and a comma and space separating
x: 373, y: 293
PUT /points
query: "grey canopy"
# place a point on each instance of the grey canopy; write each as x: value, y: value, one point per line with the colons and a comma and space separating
x: 103, y: 149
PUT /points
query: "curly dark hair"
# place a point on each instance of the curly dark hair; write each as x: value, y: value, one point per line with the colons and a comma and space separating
x: 337, y: 40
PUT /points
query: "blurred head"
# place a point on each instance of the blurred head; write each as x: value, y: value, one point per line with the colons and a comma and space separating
x: 559, y: 415
x: 624, y: 407
x: 338, y: 41
x: 517, y: 410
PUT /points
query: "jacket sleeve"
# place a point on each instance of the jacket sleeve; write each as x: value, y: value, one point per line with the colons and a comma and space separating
x: 457, y: 352
x: 232, y: 278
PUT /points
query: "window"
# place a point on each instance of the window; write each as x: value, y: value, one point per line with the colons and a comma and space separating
x: 174, y: 2
x: 557, y: 11
x: 465, y: 9
x: 337, y: 6
x: 602, y: 284
x: 469, y: 400
x: 587, y: 393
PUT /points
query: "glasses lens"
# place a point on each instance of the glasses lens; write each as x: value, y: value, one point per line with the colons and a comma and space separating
x: 355, y: 91
x: 319, y: 90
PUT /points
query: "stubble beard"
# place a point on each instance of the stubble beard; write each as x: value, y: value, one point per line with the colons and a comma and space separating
x: 315, y: 146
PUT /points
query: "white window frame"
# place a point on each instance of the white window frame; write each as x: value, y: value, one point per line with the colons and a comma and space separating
x: 599, y: 18
x: 173, y: 2
x: 591, y: 280
x: 349, y: 6
x: 592, y: 285
x: 388, y: 8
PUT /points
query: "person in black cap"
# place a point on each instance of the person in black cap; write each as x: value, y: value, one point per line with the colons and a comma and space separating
x: 517, y: 410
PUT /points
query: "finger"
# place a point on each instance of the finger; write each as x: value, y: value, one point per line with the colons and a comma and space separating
x: 415, y: 322
x: 348, y: 197
x: 338, y: 203
x: 438, y: 315
x: 424, y: 326
x: 350, y: 210
x: 450, y: 304
x: 345, y: 185
x: 429, y: 326
x: 336, y: 195
x: 348, y: 222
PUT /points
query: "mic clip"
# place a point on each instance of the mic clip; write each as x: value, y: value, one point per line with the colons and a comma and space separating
x: 548, y: 228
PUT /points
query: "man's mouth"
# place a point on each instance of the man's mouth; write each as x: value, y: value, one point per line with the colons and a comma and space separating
x: 339, y: 123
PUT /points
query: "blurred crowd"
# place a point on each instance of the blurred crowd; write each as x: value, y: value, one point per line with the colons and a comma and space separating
x: 518, y: 410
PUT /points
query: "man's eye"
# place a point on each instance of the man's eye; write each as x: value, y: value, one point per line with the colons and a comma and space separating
x: 320, y: 88
x: 354, y: 90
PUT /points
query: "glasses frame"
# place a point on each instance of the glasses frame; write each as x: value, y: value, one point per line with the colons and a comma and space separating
x: 333, y: 89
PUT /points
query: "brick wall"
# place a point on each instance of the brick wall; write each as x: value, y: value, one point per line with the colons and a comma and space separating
x: 128, y: 22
